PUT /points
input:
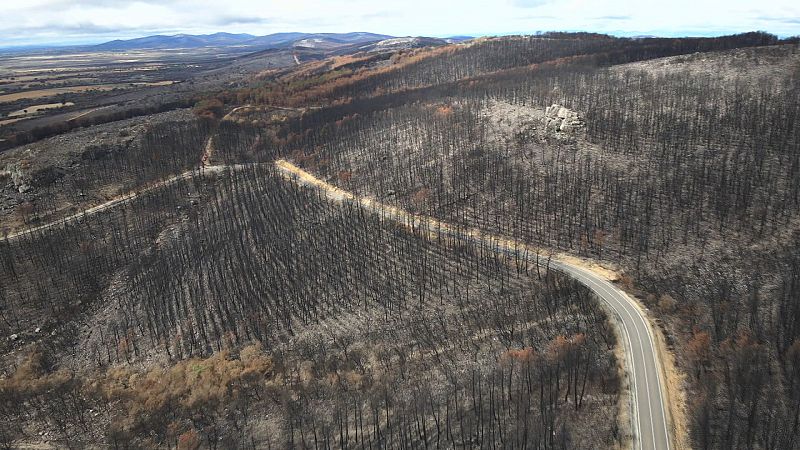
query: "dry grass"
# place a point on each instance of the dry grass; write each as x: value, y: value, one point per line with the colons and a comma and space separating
x: 89, y: 111
x: 41, y: 93
x: 59, y: 77
x: 600, y: 269
x: 30, y: 110
x: 10, y: 121
x: 675, y: 394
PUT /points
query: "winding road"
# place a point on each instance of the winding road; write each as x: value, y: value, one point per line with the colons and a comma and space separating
x: 649, y: 416
x: 648, y: 409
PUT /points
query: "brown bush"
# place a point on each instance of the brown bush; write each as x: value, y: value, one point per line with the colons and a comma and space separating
x: 189, y: 441
x: 667, y: 303
x: 210, y: 108
x: 345, y: 176
x: 444, y: 111
x: 420, y: 197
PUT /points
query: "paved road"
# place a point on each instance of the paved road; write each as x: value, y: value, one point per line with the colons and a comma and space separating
x: 648, y: 407
x: 648, y: 410
x: 648, y: 414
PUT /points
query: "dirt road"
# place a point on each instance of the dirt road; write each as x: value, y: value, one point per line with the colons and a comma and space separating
x: 649, y: 418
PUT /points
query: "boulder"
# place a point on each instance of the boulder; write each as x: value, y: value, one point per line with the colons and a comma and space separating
x: 561, y: 120
x: 20, y: 178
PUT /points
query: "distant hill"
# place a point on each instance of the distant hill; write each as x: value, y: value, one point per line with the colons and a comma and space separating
x: 176, y: 41
x: 459, y: 38
x: 276, y: 40
x: 399, y: 43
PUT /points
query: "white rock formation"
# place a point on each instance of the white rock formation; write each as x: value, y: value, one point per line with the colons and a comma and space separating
x: 559, y: 119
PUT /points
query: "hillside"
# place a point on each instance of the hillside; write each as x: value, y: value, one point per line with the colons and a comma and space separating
x: 223, y: 301
x: 353, y: 316
x: 680, y: 170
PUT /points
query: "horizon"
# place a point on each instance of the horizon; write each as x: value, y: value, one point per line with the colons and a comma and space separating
x: 493, y: 224
x: 63, y: 23
x: 618, y: 34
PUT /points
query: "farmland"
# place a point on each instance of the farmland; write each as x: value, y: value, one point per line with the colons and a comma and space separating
x: 105, y: 86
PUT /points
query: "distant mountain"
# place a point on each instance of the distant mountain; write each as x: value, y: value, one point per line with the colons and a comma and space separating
x: 276, y: 40
x: 176, y: 41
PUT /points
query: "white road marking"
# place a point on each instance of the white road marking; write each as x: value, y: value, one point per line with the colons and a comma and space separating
x: 614, y: 297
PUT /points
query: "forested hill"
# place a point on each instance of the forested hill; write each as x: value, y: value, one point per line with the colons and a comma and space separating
x: 174, y: 289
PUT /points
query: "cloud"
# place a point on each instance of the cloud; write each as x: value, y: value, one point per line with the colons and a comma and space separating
x: 226, y: 20
x: 100, y: 3
x: 786, y: 20
x: 530, y: 3
x: 379, y: 15
x: 93, y: 21
x: 613, y: 18
x: 78, y: 33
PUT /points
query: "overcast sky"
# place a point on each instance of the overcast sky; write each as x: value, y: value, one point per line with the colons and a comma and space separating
x: 24, y: 22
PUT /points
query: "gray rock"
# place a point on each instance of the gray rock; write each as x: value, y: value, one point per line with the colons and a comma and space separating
x: 561, y: 121
x: 20, y: 178
x: 553, y: 125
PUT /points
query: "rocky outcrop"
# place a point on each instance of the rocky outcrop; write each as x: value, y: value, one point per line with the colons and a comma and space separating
x: 20, y: 177
x: 561, y: 120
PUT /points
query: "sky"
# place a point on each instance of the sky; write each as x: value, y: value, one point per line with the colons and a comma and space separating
x: 65, y: 22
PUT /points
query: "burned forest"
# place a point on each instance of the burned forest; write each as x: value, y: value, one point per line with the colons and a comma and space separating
x: 494, y: 243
